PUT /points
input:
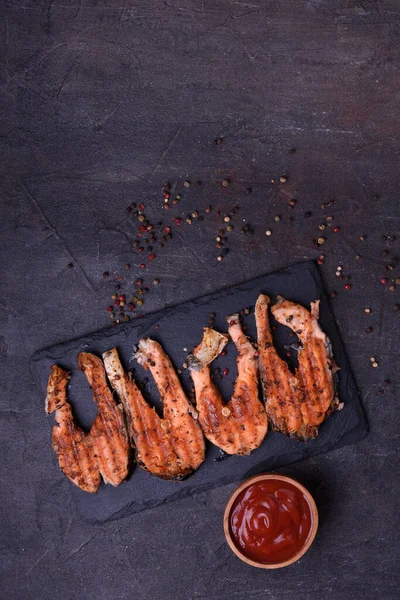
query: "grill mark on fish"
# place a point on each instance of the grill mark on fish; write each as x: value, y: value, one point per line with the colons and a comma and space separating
x: 239, y: 426
x: 108, y: 432
x: 149, y: 435
x: 315, y: 365
x: 185, y: 433
x: 281, y: 394
x: 70, y: 443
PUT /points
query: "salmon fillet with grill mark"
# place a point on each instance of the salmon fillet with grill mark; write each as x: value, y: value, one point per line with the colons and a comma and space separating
x: 296, y: 403
x: 108, y: 434
x: 281, y: 388
x: 179, y: 415
x: 239, y: 426
x: 70, y: 443
x: 148, y: 433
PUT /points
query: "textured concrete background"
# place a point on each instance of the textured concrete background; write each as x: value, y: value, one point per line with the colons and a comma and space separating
x: 101, y: 103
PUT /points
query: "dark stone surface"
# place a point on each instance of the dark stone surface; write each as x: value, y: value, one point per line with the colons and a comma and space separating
x: 103, y: 101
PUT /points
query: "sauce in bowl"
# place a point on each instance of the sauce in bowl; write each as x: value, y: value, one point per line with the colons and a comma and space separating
x: 271, y: 520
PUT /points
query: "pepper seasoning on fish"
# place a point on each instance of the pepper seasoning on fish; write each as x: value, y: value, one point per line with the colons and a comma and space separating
x: 239, y: 426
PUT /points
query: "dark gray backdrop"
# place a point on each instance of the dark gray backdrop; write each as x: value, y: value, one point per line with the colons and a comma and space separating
x: 103, y: 101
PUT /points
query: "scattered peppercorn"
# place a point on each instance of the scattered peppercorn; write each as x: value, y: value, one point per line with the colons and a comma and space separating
x: 322, y: 227
x: 277, y: 218
x: 384, y: 280
x: 369, y: 329
x: 220, y: 258
x: 109, y: 308
x: 396, y: 307
x: 195, y: 214
x: 363, y: 238
x: 283, y: 179
x: 70, y: 265
x: 225, y: 372
x: 320, y: 241
x: 347, y: 286
x: 229, y: 228
x: 336, y: 229
x: 375, y: 364
x: 208, y: 209
x: 329, y: 218
x: 268, y: 232
x: 358, y: 256
x: 152, y: 256
x: 225, y: 182
x: 392, y: 288
x: 142, y: 266
x: 127, y: 266
x: 333, y: 294
x: 218, y: 141
x: 227, y: 219
x: 106, y: 274
x: 292, y: 202
x: 186, y: 184
x: 367, y: 311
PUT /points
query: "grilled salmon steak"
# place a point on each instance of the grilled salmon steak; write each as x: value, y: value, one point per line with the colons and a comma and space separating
x: 73, y: 447
x: 108, y: 433
x: 239, y: 426
x: 179, y: 424
x: 148, y: 433
x: 298, y: 403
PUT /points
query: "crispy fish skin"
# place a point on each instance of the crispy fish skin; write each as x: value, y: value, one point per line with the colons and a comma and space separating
x: 108, y: 433
x: 281, y: 389
x: 148, y: 433
x: 316, y: 365
x: 239, y: 426
x: 180, y: 417
x: 72, y: 446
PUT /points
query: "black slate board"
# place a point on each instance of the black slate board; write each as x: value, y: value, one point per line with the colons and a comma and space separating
x: 181, y: 327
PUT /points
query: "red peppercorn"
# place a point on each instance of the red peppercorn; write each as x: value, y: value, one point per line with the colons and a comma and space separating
x: 142, y: 266
x: 116, y: 302
x: 138, y: 282
x: 141, y: 206
x: 384, y: 280
x: 223, y: 353
x: 109, y: 308
x: 121, y: 297
x: 140, y: 249
x: 167, y: 229
x: 149, y: 227
x: 166, y: 206
x: 152, y: 256
x: 178, y: 220
x: 166, y: 195
x: 225, y: 372
x: 116, y: 277
x: 336, y: 229
x: 131, y: 306
x: 347, y: 286
x: 142, y: 228
x: 138, y: 235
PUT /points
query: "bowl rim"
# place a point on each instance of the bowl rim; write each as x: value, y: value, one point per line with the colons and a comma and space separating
x: 311, y: 536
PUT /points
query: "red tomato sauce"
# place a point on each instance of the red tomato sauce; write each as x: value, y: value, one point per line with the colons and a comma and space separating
x: 270, y: 521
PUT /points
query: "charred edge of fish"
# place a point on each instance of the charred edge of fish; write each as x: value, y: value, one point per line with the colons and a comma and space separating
x: 193, y: 363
